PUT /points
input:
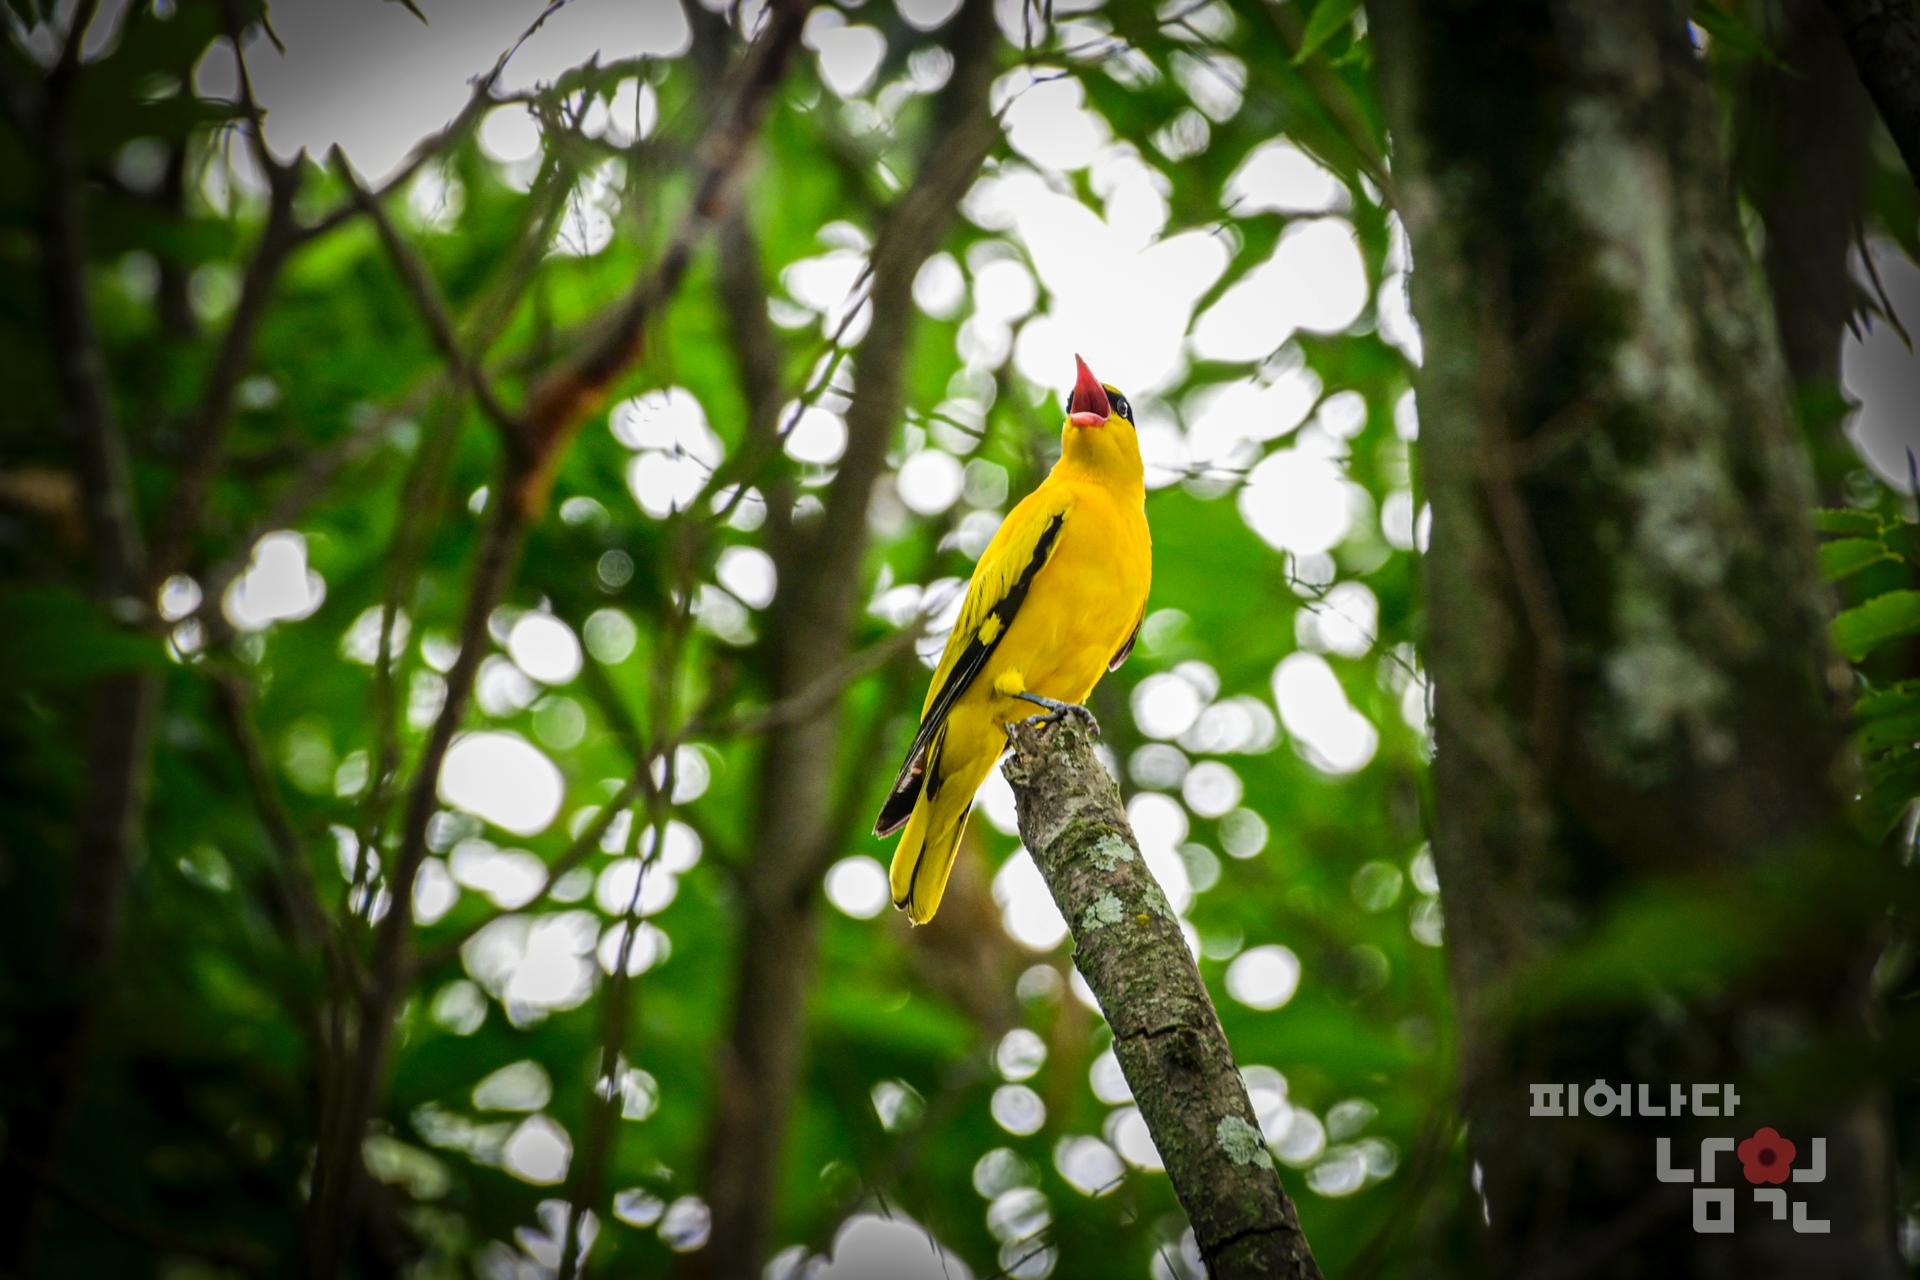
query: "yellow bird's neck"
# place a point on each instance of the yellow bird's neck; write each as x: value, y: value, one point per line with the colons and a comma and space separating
x: 1108, y: 456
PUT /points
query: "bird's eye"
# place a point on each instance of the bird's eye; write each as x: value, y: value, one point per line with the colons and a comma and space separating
x: 1119, y: 403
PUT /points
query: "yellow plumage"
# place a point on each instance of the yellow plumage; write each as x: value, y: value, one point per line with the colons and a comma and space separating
x: 1053, y: 605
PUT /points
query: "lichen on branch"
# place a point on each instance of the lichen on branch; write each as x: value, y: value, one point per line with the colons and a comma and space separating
x: 1129, y: 947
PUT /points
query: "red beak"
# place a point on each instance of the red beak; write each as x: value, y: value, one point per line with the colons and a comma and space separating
x: 1088, y: 407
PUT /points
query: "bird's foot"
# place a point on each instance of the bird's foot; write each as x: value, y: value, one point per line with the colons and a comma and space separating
x: 1056, y: 710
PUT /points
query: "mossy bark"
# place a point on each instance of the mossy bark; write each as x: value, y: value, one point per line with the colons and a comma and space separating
x: 1640, y: 774
x: 1128, y: 946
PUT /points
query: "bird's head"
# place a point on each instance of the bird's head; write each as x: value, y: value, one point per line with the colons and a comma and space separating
x: 1099, y: 434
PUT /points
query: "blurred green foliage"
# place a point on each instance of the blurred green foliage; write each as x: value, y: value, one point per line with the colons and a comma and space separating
x: 197, y: 1128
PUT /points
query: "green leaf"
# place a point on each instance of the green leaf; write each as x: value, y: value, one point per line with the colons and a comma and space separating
x: 1844, y: 557
x: 1891, y: 700
x: 1839, y: 520
x: 1328, y: 17
x: 1903, y: 539
x: 1891, y: 731
x: 1859, y: 631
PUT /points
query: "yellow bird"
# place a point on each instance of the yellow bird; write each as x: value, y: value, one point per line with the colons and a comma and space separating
x: 1054, y: 604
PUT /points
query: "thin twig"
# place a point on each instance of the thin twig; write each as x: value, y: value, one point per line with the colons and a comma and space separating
x: 556, y: 409
x: 597, y: 1149
x: 427, y: 300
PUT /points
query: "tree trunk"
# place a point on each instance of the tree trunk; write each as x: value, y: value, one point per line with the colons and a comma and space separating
x: 1640, y: 775
x: 1128, y: 946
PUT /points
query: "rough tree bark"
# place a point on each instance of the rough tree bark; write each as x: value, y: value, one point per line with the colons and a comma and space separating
x: 1128, y: 945
x: 1634, y: 699
x: 812, y: 630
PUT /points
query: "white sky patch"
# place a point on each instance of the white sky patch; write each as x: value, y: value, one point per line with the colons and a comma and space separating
x: 650, y: 947
x: 1166, y: 705
x: 1211, y: 789
x: 1331, y: 734
x: 1264, y: 977
x: 1087, y: 1164
x: 1018, y: 1109
x: 1027, y: 910
x: 510, y: 878
x: 819, y: 435
x: 1048, y: 122
x: 277, y: 585
x: 411, y: 77
x: 940, y: 288
x: 677, y: 450
x: 930, y: 481
x: 849, y: 55
x: 544, y: 647
x: 1279, y: 177
x: 858, y: 886
x: 1082, y: 255
x: 1880, y: 372
x: 1217, y: 82
x: 631, y: 113
x: 586, y: 224
x: 434, y: 891
x: 1315, y: 280
x: 539, y: 1152
x: 868, y: 1245
x: 1225, y: 419
x: 686, y: 1224
x: 504, y: 779
x: 535, y: 964
x: 831, y: 285
x: 670, y: 419
x: 518, y: 1086
x: 613, y: 892
x: 1003, y: 290
x: 749, y: 573
x: 925, y: 15
x: 1108, y: 1082
x: 1019, y: 1054
x: 1126, y: 1131
x: 995, y: 799
x: 1345, y: 621
x: 1297, y: 501
x: 510, y: 135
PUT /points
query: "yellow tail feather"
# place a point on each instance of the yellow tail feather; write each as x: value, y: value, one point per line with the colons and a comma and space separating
x: 923, y: 859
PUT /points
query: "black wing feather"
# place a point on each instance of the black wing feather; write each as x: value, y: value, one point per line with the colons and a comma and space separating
x: 906, y: 785
x: 1125, y: 649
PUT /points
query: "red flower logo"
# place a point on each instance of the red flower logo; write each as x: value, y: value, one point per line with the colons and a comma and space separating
x: 1768, y: 1157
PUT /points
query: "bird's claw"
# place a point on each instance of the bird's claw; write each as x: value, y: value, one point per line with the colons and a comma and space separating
x: 1057, y: 710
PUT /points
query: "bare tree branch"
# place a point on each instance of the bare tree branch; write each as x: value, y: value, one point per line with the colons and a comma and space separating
x: 427, y: 299
x: 206, y: 431
x: 1128, y: 946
